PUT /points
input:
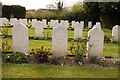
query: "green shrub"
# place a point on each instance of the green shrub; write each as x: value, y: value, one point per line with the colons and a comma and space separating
x: 5, y: 31
x: 102, y: 63
x: 79, y: 49
x: 17, y: 57
x: 41, y: 54
x: 5, y: 46
x: 79, y: 58
x: 93, y: 59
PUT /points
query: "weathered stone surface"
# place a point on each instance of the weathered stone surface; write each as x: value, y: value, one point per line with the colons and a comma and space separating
x: 13, y: 21
x: 78, y: 31
x: 116, y: 33
x: 96, y: 42
x: 20, y: 38
x: 89, y: 24
x: 34, y: 23
x: 39, y: 29
x: 59, y: 41
x: 24, y: 21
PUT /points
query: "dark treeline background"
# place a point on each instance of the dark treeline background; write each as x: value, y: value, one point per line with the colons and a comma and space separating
x: 108, y: 13
x: 13, y: 11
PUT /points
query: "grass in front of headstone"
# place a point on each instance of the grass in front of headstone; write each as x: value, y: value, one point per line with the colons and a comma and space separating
x: 110, y: 49
x: 45, y: 71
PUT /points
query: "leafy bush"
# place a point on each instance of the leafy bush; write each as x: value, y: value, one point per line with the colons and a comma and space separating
x: 79, y: 49
x: 41, y: 54
x: 5, y: 46
x: 5, y: 31
x: 15, y: 58
x: 79, y: 58
x: 102, y: 63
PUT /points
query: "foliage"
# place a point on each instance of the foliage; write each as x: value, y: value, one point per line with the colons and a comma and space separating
x: 79, y: 50
x: 5, y: 31
x: 110, y: 13
x: 41, y: 54
x: 47, y: 34
x: 5, y: 46
x: 116, y: 60
x: 79, y: 47
x: 107, y: 39
x: 92, y: 11
x: 13, y: 11
x: 93, y: 59
x: 17, y: 57
x: 60, y: 5
x: 101, y: 63
x: 54, y: 61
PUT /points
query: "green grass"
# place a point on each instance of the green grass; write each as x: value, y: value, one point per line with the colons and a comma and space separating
x: 43, y: 71
x: 110, y: 49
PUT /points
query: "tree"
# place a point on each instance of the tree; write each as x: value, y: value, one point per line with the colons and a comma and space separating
x: 110, y: 13
x: 15, y: 10
x: 93, y: 11
x: 60, y: 5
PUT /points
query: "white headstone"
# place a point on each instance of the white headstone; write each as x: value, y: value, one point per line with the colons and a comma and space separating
x: 73, y: 23
x: 98, y: 24
x: 0, y: 9
x: 39, y: 29
x: 44, y: 22
x: 56, y: 23
x: 78, y: 31
x: 20, y: 38
x: 59, y: 41
x: 34, y: 23
x: 89, y: 24
x: 82, y: 23
x: 115, y: 33
x: 13, y: 21
x: 1, y: 22
x: 66, y: 24
x: 24, y: 21
x: 95, y: 42
x: 51, y: 23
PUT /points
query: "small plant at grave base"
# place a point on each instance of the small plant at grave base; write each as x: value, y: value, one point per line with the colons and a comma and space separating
x: 5, y: 46
x: 101, y: 63
x: 54, y: 61
x: 41, y: 54
x: 17, y: 57
x: 116, y: 60
x: 93, y: 59
x: 79, y: 50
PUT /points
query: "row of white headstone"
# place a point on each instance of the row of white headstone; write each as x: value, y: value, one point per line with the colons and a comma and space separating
x: 52, y: 23
x: 59, y: 40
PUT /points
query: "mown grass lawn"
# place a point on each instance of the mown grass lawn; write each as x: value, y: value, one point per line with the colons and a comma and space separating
x: 45, y: 71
